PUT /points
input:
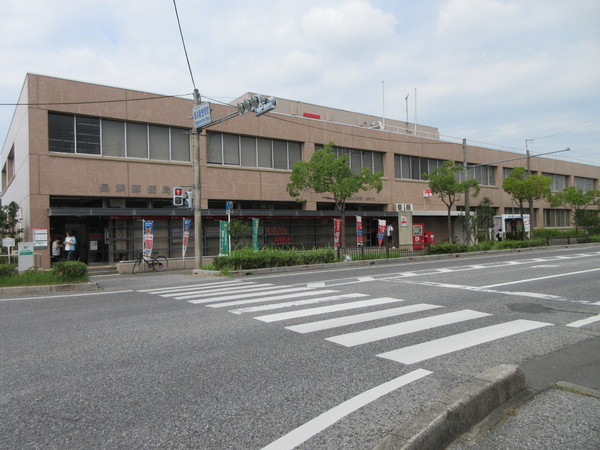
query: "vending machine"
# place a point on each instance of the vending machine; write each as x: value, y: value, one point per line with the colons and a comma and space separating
x: 418, y: 236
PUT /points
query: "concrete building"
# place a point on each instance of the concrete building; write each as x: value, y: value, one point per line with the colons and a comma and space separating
x: 98, y: 160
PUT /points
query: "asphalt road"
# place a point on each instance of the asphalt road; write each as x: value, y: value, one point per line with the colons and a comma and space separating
x: 331, y: 358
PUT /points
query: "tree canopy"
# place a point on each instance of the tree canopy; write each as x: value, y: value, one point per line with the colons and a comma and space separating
x: 444, y: 182
x: 577, y: 201
x: 525, y: 187
x: 326, y: 172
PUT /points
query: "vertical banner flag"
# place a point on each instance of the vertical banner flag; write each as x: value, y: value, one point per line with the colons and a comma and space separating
x: 148, y: 237
x: 224, y: 239
x: 255, y: 233
x: 381, y: 232
x: 337, y: 231
x: 186, y: 235
x: 359, y: 231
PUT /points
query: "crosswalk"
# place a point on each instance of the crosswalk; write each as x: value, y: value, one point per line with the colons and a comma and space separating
x: 302, y: 303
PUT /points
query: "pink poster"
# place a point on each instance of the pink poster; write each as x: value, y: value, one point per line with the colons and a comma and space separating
x: 337, y: 231
x: 381, y: 232
x: 359, y: 231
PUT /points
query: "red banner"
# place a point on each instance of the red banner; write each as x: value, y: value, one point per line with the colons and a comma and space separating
x: 337, y: 232
x: 359, y: 231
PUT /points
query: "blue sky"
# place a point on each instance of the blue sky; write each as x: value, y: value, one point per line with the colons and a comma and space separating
x: 490, y: 71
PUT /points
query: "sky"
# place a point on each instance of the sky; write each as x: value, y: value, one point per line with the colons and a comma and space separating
x: 501, y: 73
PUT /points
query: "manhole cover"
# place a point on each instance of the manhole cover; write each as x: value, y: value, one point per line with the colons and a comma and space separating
x: 532, y: 308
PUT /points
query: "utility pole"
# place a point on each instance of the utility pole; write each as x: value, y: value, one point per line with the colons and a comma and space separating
x: 532, y: 220
x: 198, y: 250
x: 467, y: 194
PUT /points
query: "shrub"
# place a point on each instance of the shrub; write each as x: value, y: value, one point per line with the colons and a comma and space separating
x: 447, y: 247
x: 7, y: 270
x: 503, y: 245
x: 70, y: 271
x: 257, y: 259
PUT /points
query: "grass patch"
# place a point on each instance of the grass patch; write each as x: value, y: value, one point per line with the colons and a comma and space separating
x: 65, y: 272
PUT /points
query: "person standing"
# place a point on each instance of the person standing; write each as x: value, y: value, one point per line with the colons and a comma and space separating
x: 56, y: 246
x: 390, y: 235
x: 70, y: 243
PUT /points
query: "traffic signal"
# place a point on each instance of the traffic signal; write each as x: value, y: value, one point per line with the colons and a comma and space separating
x: 178, y: 198
x: 259, y: 104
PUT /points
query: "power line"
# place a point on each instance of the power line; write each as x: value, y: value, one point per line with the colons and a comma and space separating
x: 184, y: 48
x: 90, y: 102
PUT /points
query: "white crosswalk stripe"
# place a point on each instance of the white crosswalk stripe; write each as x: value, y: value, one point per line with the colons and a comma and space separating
x: 360, y: 318
x: 268, y: 299
x: 310, y: 301
x: 443, y: 346
x: 326, y: 309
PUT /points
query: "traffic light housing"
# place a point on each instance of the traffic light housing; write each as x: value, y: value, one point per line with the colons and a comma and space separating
x: 178, y: 196
x: 258, y: 104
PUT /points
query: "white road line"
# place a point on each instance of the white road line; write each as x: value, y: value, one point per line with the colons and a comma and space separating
x: 191, y: 286
x: 583, y: 322
x: 310, y: 301
x: 399, y: 329
x: 360, y: 318
x: 61, y: 296
x: 231, y: 290
x: 540, y: 278
x: 272, y: 298
x: 449, y: 344
x: 311, y: 428
x: 327, y: 309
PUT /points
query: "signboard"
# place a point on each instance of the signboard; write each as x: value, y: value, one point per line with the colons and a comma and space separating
x: 380, y: 232
x: 427, y: 193
x: 8, y: 242
x: 337, y: 232
x: 404, y: 221
x: 148, y: 237
x: 255, y: 223
x: 201, y: 114
x: 223, y: 238
x: 26, y: 255
x: 359, y: 231
x: 186, y: 236
x: 40, y: 237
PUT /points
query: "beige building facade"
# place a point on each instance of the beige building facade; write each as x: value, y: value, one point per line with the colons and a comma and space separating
x: 98, y: 160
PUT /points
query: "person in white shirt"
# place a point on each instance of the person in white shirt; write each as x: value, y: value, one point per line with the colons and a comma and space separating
x: 70, y: 243
x: 390, y: 235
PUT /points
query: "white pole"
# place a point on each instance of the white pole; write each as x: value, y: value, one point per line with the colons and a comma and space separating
x: 383, y: 102
x: 415, y: 111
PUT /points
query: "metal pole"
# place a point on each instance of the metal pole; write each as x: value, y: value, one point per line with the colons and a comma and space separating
x: 197, y: 193
x: 532, y: 220
x: 467, y: 195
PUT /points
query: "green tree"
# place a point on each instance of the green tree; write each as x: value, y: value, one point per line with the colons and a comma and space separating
x: 484, y: 216
x: 236, y: 229
x: 9, y: 224
x: 326, y: 172
x: 577, y: 201
x: 524, y: 187
x: 443, y: 181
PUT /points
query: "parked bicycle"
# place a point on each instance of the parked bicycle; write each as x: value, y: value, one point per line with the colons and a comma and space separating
x: 155, y: 262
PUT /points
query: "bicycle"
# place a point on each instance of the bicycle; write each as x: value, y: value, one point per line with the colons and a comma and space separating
x: 156, y: 262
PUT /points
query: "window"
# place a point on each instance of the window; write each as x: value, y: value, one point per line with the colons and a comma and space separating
x: 585, y: 184
x: 414, y: 167
x: 88, y: 135
x: 556, y: 218
x: 61, y: 133
x: 559, y: 182
x: 115, y: 138
x: 249, y: 151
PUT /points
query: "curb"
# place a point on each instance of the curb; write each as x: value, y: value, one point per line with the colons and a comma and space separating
x: 16, y: 290
x: 458, y: 411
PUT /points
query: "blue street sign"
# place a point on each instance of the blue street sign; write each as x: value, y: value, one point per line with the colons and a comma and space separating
x: 201, y: 114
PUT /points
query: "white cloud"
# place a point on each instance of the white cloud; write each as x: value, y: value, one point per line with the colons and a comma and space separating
x: 498, y: 71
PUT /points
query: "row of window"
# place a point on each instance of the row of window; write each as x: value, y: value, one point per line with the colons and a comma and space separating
x: 249, y: 151
x: 116, y: 138
x: 360, y: 158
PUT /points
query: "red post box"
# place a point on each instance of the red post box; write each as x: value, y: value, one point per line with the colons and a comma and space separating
x: 429, y: 238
